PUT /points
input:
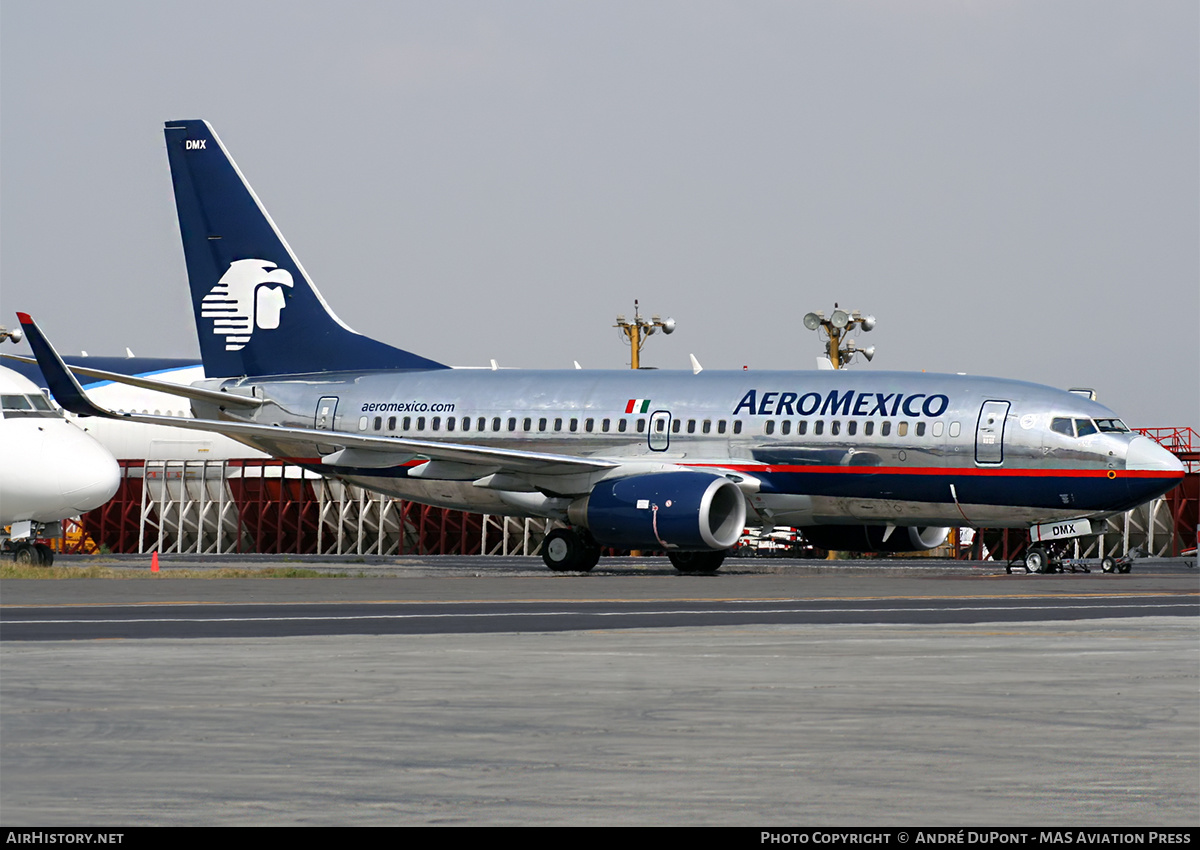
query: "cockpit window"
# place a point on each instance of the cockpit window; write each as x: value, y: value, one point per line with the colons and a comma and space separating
x: 1111, y: 426
x: 1084, y: 427
x: 15, y: 406
x: 1062, y: 426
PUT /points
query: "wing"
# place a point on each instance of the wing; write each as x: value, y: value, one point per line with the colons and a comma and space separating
x: 460, y: 461
x: 217, y: 397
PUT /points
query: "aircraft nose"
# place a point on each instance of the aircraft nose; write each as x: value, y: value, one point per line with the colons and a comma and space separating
x: 1148, y: 456
x: 91, y: 476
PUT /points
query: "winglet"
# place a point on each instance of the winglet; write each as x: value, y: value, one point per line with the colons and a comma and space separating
x: 62, y: 383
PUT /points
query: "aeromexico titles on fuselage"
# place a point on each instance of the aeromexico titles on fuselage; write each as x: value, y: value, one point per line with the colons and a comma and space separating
x: 844, y: 402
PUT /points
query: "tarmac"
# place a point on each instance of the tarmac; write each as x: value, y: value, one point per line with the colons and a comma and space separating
x: 1072, y: 722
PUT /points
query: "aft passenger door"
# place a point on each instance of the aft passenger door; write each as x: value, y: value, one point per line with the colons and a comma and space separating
x: 659, y: 435
x: 989, y: 433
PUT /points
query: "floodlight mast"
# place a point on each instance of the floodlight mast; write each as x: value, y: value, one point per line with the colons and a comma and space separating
x: 640, y: 329
x: 837, y: 327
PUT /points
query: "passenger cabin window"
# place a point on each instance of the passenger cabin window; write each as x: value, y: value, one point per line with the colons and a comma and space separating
x: 955, y: 429
x: 852, y: 428
x: 737, y: 426
x: 770, y: 426
x: 721, y: 426
x: 902, y: 429
x: 622, y: 425
x: 938, y: 427
x: 449, y: 423
x: 420, y: 423
x: 378, y: 423
x: 558, y: 424
x: 785, y: 427
x: 920, y: 429
x: 528, y: 424
x: 676, y: 425
x: 406, y: 424
x: 819, y: 427
x: 706, y: 426
x: 588, y: 424
x: 691, y: 426
x: 435, y: 424
x: 391, y: 423
x: 868, y: 429
x: 512, y: 423
x: 885, y: 429
x: 363, y: 422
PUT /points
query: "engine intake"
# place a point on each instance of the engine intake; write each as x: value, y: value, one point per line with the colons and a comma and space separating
x: 673, y: 510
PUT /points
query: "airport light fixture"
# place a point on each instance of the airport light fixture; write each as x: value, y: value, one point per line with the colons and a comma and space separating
x: 639, y: 330
x: 841, y: 350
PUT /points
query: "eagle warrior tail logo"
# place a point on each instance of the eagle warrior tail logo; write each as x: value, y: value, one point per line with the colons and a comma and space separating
x: 248, y: 296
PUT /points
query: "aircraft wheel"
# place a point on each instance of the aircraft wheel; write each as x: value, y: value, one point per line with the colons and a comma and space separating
x: 1124, y: 568
x: 696, y: 563
x: 1036, y: 561
x: 564, y: 551
x: 1108, y: 565
x: 27, y: 555
x: 589, y: 557
x: 47, y: 554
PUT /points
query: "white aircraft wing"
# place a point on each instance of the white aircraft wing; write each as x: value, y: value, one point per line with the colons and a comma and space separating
x: 217, y: 397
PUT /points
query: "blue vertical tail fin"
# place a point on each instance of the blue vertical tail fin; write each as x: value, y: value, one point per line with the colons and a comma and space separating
x: 257, y: 312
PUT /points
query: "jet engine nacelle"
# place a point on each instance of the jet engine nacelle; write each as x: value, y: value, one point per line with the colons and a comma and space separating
x: 677, y: 510
x: 869, y: 538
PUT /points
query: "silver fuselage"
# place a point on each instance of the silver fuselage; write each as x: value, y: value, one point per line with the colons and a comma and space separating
x: 807, y: 448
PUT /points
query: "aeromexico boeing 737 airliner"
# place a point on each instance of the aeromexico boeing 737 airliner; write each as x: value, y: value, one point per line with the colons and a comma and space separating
x: 631, y: 459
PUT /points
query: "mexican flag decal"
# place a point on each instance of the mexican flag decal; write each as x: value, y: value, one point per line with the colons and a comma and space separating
x: 638, y: 405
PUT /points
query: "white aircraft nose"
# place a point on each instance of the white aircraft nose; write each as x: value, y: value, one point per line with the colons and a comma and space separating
x: 89, y: 477
x: 1146, y: 455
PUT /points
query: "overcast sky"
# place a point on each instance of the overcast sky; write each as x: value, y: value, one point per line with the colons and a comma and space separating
x: 1012, y: 187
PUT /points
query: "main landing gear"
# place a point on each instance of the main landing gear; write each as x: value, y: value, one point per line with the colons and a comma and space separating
x: 572, y: 550
x: 697, y: 563
x: 567, y: 550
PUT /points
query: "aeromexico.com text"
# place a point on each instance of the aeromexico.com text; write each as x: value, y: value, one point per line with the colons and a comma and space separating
x: 407, y: 407
x: 841, y: 403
